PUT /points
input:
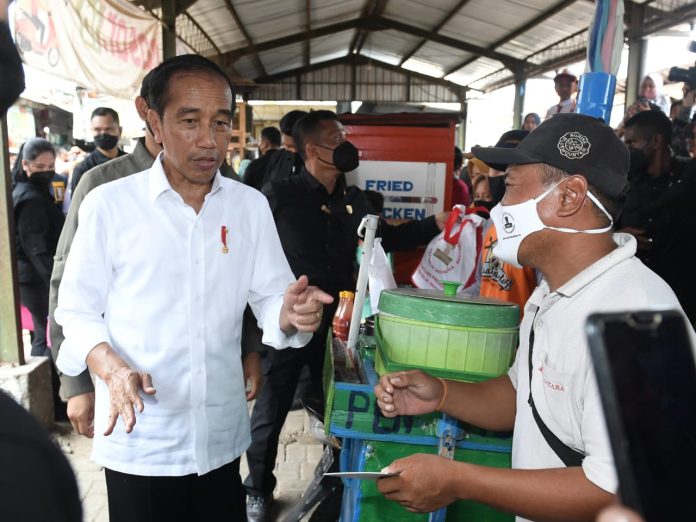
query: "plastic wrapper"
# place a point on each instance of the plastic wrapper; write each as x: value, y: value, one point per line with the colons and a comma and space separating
x: 345, y: 362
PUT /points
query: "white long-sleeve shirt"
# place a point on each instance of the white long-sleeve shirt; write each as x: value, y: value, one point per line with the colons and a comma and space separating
x: 149, y: 276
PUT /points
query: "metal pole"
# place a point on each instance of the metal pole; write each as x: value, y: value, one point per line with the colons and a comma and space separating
x: 520, y: 89
x: 368, y: 226
x: 461, y: 141
x: 10, y: 328
x: 169, y: 29
x: 636, y: 52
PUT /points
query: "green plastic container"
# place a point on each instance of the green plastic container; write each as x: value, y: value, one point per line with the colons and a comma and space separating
x: 370, y: 505
x: 455, y: 337
x: 433, y: 306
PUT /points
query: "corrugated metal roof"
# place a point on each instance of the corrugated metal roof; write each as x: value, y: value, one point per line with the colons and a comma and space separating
x: 389, y: 45
x: 441, y: 56
x: 332, y: 11
x: 472, y: 43
x: 330, y: 47
x: 420, y: 13
x: 269, y: 18
x: 218, y: 23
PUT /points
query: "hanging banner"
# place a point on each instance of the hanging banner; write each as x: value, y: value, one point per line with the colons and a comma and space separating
x: 105, y: 45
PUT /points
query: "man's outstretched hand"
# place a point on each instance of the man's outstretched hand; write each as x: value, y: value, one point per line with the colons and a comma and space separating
x: 303, y: 306
x: 411, y: 392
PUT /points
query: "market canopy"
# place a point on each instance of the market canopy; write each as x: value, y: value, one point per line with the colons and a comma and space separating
x: 370, y: 50
x: 406, y: 50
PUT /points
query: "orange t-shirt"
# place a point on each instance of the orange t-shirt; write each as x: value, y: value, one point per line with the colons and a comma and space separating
x: 502, y: 280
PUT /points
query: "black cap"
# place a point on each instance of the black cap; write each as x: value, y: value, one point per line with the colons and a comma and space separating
x: 512, y: 138
x: 575, y: 143
x: 508, y: 140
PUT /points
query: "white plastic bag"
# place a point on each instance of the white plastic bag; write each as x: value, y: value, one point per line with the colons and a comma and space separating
x: 453, y: 254
x: 379, y: 274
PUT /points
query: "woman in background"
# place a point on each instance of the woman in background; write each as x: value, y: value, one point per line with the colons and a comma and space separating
x: 38, y: 223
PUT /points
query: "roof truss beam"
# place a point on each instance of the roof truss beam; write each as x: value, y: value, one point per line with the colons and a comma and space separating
x: 661, y: 21
x: 370, y: 23
x: 206, y: 35
x: 665, y: 20
x: 435, y: 29
x: 517, y: 32
x: 245, y: 33
x: 306, y: 51
x: 371, y: 9
x: 231, y: 56
x: 388, y: 23
x: 566, y: 59
x: 531, y: 69
x: 356, y: 60
x: 149, y: 5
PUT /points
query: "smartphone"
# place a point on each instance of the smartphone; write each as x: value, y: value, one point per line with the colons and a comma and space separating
x: 646, y: 373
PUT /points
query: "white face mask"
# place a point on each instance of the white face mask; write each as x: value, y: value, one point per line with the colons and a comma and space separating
x: 515, y: 222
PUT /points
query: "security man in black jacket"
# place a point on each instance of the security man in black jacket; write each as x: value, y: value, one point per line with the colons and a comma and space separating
x: 317, y: 217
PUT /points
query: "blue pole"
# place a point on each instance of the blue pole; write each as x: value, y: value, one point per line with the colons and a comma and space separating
x: 596, y: 95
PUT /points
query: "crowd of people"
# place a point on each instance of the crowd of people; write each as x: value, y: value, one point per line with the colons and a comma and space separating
x: 176, y: 293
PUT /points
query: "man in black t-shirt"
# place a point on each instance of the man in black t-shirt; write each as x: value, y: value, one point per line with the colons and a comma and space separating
x: 317, y: 217
x: 269, y: 143
x: 276, y: 163
x: 659, y: 208
x: 106, y: 132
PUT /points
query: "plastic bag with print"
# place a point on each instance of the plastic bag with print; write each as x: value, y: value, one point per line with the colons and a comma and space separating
x: 380, y: 276
x: 452, y: 255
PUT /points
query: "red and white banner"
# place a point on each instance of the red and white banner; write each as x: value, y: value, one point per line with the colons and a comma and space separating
x: 105, y: 45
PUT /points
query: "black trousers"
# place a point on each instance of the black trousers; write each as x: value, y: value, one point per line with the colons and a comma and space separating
x: 218, y: 495
x: 35, y: 297
x: 281, y: 373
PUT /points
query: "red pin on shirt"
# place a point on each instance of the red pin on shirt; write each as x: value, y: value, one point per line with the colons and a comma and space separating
x: 223, y: 238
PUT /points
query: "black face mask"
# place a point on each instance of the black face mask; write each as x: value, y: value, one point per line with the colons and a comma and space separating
x: 638, y: 160
x: 497, y: 188
x: 485, y: 204
x: 345, y: 156
x: 42, y: 179
x: 106, y: 141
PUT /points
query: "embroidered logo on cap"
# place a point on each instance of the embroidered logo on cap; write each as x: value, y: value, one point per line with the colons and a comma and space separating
x: 574, y: 145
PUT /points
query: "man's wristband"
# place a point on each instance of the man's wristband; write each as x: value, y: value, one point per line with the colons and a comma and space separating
x: 444, y: 394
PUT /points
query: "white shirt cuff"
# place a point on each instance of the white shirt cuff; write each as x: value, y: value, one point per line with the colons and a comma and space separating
x: 72, y: 357
x: 274, y: 336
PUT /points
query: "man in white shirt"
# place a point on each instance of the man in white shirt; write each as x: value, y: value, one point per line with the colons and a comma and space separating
x: 566, y: 84
x: 565, y: 184
x: 160, y: 271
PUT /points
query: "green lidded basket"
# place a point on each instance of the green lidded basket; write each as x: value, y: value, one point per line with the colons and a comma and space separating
x: 451, y: 336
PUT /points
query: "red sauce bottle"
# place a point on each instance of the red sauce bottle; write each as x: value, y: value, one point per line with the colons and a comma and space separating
x: 344, y: 312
